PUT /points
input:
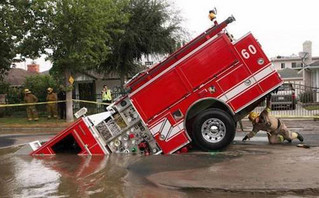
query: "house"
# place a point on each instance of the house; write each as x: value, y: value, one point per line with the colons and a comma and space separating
x: 291, y: 76
x: 294, y: 77
x: 88, y: 85
x: 313, y: 69
x: 291, y: 62
x: 17, y: 76
x: 304, y: 64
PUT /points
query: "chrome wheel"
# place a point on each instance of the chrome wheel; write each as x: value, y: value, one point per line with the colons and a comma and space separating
x: 213, y: 130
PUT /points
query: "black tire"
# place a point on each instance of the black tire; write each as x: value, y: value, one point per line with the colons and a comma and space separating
x: 213, y: 129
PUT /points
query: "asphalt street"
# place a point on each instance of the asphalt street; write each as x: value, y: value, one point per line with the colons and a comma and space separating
x: 252, y: 169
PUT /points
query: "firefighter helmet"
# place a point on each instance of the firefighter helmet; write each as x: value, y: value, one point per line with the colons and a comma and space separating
x: 252, y: 116
x: 49, y: 90
x: 212, y: 14
x: 27, y: 91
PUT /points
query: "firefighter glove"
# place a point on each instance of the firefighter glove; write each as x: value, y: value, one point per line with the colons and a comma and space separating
x: 245, y: 138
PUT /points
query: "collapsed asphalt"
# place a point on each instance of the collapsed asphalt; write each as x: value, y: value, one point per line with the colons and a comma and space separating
x: 251, y: 167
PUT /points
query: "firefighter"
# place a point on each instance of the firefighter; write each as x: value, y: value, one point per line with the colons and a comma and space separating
x: 31, y: 110
x: 276, y: 130
x: 106, y: 96
x: 52, y: 107
x: 212, y: 16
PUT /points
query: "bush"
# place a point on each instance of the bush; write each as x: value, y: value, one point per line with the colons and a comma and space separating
x: 14, y: 95
x: 4, y: 87
x: 38, y: 85
x: 307, y: 97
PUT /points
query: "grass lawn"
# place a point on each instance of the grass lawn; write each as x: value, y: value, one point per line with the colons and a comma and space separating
x: 23, y: 122
x: 309, y: 108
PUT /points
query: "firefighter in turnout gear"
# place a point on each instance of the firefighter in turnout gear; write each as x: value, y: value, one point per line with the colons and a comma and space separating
x: 212, y: 16
x: 31, y: 110
x: 52, y: 107
x: 276, y: 130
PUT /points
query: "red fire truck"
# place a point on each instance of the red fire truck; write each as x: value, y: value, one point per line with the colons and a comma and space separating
x: 195, y: 95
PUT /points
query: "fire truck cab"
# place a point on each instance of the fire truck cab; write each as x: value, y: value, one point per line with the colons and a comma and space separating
x: 197, y: 94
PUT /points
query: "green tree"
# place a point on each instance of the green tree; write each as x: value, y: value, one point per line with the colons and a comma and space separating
x: 39, y: 84
x: 4, y: 87
x: 14, y: 15
x: 74, y: 34
x: 153, y: 28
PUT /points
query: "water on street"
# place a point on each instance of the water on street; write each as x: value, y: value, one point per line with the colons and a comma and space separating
x: 98, y: 176
x: 243, y: 169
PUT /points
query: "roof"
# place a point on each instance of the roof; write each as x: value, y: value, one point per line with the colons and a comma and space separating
x: 17, y: 76
x: 47, y: 72
x: 289, y: 73
x: 94, y: 75
x: 290, y: 58
x: 316, y: 63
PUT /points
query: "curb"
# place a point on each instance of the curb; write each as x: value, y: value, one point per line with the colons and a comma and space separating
x: 29, y: 130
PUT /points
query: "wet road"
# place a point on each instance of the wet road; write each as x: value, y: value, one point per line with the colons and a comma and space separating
x: 236, y: 172
x: 242, y: 170
x: 8, y: 140
x: 104, y: 176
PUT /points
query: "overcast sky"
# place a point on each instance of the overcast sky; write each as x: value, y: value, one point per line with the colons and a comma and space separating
x: 281, y: 26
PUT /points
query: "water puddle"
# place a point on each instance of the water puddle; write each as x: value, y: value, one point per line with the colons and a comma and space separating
x: 99, y: 176
x: 84, y: 176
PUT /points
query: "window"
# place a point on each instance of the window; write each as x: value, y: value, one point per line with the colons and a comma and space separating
x: 282, y: 65
x: 293, y: 65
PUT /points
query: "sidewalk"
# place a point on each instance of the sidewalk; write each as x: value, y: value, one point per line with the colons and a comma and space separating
x: 306, y: 125
x: 33, y: 127
x: 39, y: 127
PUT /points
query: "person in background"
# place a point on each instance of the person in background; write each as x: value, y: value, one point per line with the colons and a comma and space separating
x: 52, y: 107
x: 106, y: 96
x: 31, y: 110
x: 62, y: 105
x: 276, y: 130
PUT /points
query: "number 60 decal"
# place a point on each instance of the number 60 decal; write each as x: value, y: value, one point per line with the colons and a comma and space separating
x: 250, y: 50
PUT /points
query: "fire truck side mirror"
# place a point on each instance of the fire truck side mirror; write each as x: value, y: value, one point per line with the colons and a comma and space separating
x: 81, y: 112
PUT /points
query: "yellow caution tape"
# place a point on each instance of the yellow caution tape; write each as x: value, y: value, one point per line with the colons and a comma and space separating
x: 28, y: 104
x: 92, y: 102
x: 51, y: 102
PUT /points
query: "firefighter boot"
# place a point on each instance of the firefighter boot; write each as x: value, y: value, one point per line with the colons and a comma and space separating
x: 300, y: 138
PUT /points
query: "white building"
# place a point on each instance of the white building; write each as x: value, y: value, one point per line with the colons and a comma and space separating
x: 304, y: 64
x: 291, y: 62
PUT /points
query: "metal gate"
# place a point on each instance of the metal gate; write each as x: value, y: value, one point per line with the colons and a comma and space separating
x: 294, y: 100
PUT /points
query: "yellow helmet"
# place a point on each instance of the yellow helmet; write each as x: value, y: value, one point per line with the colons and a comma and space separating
x: 252, y: 116
x: 50, y: 89
x: 27, y: 91
x: 212, y: 14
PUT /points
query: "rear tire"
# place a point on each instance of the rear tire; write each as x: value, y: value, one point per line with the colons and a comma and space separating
x: 213, y: 129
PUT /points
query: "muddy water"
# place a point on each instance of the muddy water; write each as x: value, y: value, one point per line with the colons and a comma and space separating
x: 103, y: 176
x: 81, y: 176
